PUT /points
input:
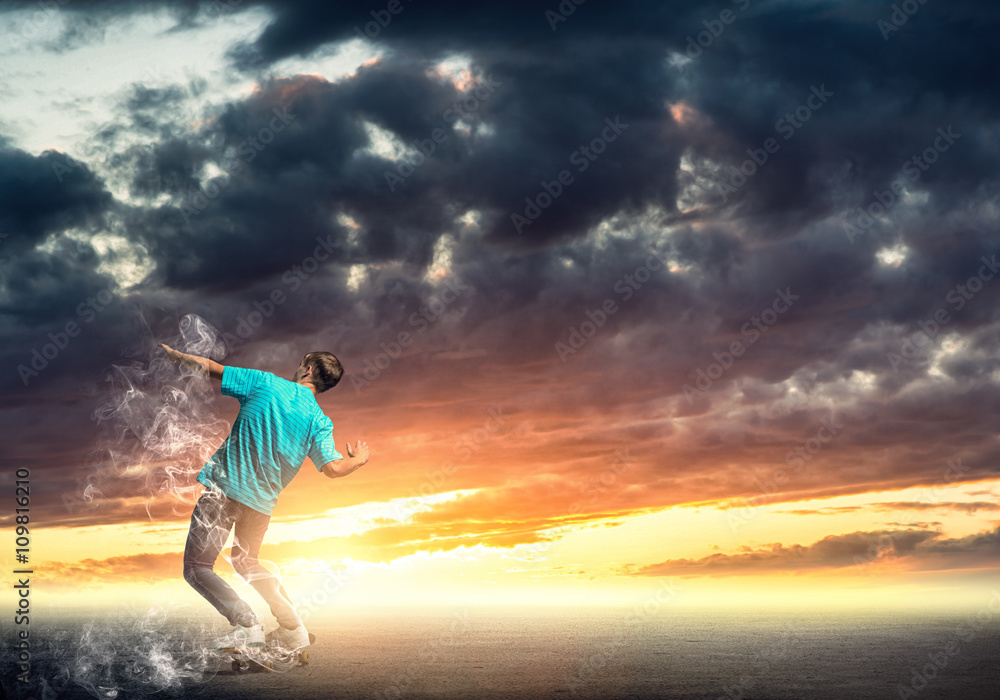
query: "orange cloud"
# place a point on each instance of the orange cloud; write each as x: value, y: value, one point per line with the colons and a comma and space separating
x: 130, y: 568
x: 924, y: 548
x: 961, y: 506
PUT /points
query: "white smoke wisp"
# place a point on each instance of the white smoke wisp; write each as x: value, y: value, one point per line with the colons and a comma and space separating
x: 158, y: 426
x: 136, y: 656
x: 161, y: 425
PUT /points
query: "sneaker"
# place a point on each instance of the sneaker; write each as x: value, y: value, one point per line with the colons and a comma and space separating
x: 288, y: 639
x: 240, y: 637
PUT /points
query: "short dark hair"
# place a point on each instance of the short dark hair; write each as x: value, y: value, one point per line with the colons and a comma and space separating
x: 326, y: 370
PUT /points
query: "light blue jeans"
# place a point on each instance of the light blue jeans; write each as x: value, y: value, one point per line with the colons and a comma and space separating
x: 213, y: 518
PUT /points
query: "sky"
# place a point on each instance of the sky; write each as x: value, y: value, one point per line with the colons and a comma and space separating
x: 696, y: 295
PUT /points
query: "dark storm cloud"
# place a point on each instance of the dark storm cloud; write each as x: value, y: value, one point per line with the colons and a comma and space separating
x: 782, y: 229
x: 45, y: 194
x: 888, y: 96
x: 171, y: 167
x: 305, y: 168
x: 441, y: 27
x: 42, y: 287
x: 50, y: 299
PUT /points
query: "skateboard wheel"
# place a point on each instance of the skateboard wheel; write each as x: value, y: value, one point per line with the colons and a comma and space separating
x: 304, y: 658
x: 236, y: 667
x: 269, y: 665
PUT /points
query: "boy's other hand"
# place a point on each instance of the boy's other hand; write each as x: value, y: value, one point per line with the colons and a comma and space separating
x: 360, y: 453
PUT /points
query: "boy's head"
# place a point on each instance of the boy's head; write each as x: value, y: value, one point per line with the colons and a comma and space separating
x: 322, y: 368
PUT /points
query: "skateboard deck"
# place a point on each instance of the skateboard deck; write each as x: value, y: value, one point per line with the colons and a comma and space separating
x: 268, y: 658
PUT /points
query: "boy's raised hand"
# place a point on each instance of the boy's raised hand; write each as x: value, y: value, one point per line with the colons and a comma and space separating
x: 172, y: 354
x: 360, y: 453
x: 201, y: 365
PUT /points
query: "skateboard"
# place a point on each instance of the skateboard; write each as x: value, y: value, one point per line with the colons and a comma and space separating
x: 268, y: 658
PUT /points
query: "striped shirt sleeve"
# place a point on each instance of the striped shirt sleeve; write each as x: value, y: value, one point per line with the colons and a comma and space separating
x: 239, y: 382
x: 322, y: 449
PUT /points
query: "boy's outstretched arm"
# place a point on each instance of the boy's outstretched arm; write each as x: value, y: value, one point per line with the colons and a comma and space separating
x: 200, y: 364
x: 355, y: 458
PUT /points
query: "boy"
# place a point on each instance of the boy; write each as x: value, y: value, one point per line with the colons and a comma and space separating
x: 279, y: 424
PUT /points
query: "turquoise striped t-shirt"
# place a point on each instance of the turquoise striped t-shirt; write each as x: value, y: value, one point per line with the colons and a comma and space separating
x: 278, y: 426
